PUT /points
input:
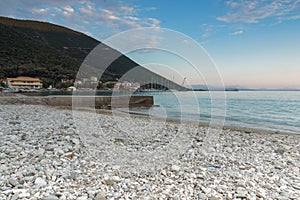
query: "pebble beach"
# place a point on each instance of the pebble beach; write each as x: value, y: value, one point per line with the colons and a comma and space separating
x: 48, y: 153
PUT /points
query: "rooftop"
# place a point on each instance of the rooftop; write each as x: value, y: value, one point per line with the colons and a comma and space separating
x: 23, y: 78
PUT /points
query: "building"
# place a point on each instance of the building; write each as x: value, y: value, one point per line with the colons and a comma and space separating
x: 91, y: 82
x: 23, y: 82
x: 94, y: 79
x: 65, y: 80
x: 126, y: 85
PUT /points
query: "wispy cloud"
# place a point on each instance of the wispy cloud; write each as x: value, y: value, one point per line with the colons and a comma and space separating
x: 210, y: 29
x: 102, y: 18
x: 237, y: 32
x: 254, y: 11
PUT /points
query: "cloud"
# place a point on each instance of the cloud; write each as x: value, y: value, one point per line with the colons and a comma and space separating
x: 127, y: 10
x: 69, y: 9
x: 39, y: 10
x: 237, y: 32
x: 254, y: 11
x: 210, y: 29
x: 101, y: 18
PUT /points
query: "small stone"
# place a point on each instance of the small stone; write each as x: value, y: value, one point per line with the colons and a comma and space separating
x: 202, y: 196
x: 109, y: 182
x: 292, y: 196
x: 279, y: 166
x: 50, y: 147
x: 296, y: 170
x: 284, y: 194
x: 115, y: 167
x: 125, y: 174
x: 242, y: 167
x: 75, y: 141
x: 3, y: 168
x: 14, y: 122
x: 200, y: 176
x: 141, y: 188
x: 116, y: 179
x: 100, y: 196
x: 23, y: 137
x: 229, y: 195
x: 260, y: 195
x: 206, y: 190
x: 69, y: 155
x: 14, y: 182
x: 119, y: 141
x: 297, y: 187
x: 23, y: 193
x: 175, y: 168
x: 228, y: 149
x: 40, y: 182
x: 82, y: 198
x: 241, y: 192
x: 14, y: 197
x: 50, y: 197
x: 282, y: 198
x: 271, y: 182
x: 279, y: 151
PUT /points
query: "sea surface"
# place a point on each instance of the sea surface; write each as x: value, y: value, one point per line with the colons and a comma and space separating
x: 262, y: 110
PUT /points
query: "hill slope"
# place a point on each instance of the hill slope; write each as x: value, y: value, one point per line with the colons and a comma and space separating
x: 40, y: 49
x: 64, y: 40
x: 52, y: 52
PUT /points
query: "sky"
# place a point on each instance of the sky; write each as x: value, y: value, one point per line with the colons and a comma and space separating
x: 253, y: 43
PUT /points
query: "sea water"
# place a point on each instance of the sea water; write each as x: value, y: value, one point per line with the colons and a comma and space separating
x: 263, y: 110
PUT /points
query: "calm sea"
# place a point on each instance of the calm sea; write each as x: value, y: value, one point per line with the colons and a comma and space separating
x: 263, y: 110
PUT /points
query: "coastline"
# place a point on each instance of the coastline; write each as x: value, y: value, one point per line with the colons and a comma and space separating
x: 147, y: 102
x: 178, y: 121
x: 17, y: 98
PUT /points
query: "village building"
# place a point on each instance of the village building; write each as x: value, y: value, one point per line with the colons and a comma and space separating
x: 126, y: 85
x: 23, y: 82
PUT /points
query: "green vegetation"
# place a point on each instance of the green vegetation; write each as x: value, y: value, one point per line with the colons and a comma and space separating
x: 2, y: 84
x: 53, y: 53
x: 48, y: 51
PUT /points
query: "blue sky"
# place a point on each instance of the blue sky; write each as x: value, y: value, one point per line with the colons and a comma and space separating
x: 254, y: 43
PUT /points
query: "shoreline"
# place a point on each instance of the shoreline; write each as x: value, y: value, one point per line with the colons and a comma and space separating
x: 106, y: 107
x: 178, y: 121
x: 20, y: 99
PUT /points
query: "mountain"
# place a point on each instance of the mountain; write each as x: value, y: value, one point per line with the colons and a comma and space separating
x: 53, y: 53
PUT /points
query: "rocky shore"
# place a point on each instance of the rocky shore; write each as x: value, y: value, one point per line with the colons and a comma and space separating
x: 52, y: 154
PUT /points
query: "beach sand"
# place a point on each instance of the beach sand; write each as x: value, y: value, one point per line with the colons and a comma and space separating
x: 50, y: 153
